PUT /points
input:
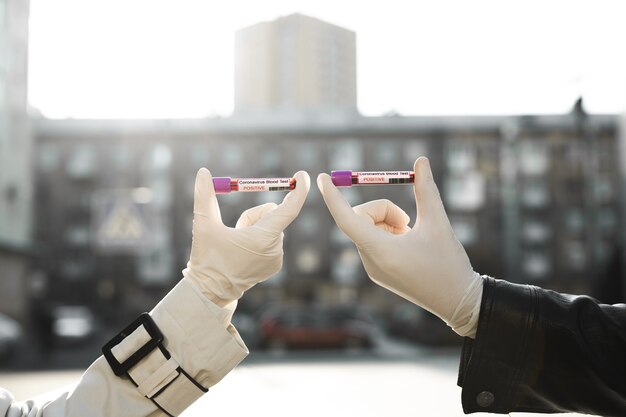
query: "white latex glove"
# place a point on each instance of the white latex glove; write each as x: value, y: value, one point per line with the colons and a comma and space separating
x: 425, y: 264
x: 226, y: 261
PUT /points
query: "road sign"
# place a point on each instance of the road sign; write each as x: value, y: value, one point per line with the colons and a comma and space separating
x: 119, y: 222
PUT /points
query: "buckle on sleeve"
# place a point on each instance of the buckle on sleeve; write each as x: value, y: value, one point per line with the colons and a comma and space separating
x: 156, y: 339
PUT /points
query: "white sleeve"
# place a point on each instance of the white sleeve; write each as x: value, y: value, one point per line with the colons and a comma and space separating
x: 197, y: 334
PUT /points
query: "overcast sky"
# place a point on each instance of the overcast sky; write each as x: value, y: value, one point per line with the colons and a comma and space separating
x: 174, y: 58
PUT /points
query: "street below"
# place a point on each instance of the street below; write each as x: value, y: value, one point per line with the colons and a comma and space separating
x: 394, y: 379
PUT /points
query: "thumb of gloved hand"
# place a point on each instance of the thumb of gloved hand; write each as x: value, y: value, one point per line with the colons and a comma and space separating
x: 425, y: 264
x: 225, y: 261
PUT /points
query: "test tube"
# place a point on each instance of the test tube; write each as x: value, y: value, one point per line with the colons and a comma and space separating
x: 350, y: 178
x: 224, y: 185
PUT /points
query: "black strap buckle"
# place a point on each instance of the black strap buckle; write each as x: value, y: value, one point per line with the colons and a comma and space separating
x: 156, y: 339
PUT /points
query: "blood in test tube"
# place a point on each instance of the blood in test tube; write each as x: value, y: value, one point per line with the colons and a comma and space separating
x: 350, y: 178
x: 225, y: 185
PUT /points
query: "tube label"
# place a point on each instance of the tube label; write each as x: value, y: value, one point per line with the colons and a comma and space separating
x: 262, y: 184
x: 383, y: 177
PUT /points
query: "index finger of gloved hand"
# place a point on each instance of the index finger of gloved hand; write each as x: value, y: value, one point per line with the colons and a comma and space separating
x: 252, y: 215
x: 279, y: 218
x: 204, y: 198
x: 385, y: 215
x: 353, y: 225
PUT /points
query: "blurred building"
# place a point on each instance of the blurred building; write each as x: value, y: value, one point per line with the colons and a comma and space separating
x: 532, y: 199
x: 15, y: 158
x: 295, y: 64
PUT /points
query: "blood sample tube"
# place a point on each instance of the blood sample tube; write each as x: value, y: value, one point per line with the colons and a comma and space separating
x: 350, y: 178
x: 224, y: 185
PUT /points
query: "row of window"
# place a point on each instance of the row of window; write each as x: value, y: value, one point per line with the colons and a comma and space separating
x: 536, y: 156
x: 535, y: 193
x: 539, y: 265
x: 82, y: 162
x: 461, y: 158
x: 467, y: 191
x: 346, y: 267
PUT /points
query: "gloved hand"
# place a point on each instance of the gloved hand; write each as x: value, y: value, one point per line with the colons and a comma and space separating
x: 225, y: 261
x: 425, y: 264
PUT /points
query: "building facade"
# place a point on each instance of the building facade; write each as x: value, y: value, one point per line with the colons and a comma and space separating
x: 15, y: 159
x: 532, y: 199
x: 296, y: 64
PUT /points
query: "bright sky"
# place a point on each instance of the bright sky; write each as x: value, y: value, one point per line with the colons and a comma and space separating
x: 174, y: 58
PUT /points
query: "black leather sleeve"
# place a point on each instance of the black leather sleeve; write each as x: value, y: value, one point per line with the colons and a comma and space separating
x: 541, y: 351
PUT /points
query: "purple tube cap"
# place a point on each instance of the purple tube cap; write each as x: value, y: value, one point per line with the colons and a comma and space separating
x: 341, y: 178
x: 221, y: 185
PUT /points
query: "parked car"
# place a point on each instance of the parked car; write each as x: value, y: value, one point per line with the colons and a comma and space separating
x: 10, y: 335
x: 314, y: 328
x: 72, y: 324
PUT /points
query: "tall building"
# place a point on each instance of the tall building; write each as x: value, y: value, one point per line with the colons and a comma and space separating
x: 295, y: 64
x: 15, y: 153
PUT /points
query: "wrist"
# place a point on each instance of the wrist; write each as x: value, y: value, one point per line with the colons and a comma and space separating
x: 464, y: 320
x: 171, y: 356
x: 208, y: 288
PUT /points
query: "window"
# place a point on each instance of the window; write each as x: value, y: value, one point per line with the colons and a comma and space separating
x: 156, y: 266
x: 387, y: 154
x: 606, y: 220
x: 603, y: 189
x: 76, y: 267
x: 200, y: 155
x: 161, y: 191
x: 465, y: 192
x: 308, y: 260
x: 575, y: 255
x: 309, y: 155
x: 535, y: 231
x: 413, y: 150
x: 604, y: 250
x: 121, y: 156
x: 461, y: 156
x: 231, y: 157
x: 270, y: 159
x: 48, y: 158
x: 534, y: 157
x: 339, y: 237
x: 465, y: 229
x: 535, y: 194
x: 573, y: 155
x: 606, y: 153
x: 82, y: 163
x: 77, y: 235
x: 574, y: 220
x: 161, y: 157
x: 308, y: 223
x: 536, y: 265
x: 346, y: 267
x: 346, y: 154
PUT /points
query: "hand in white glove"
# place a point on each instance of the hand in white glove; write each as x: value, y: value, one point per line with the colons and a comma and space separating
x: 225, y: 261
x: 425, y: 264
